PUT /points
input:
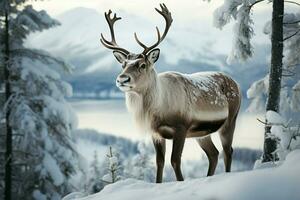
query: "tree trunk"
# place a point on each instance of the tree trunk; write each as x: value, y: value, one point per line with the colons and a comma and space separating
x: 270, y: 144
x: 8, y: 153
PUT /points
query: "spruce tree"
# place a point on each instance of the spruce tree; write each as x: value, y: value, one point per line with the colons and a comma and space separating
x: 40, y: 154
x: 113, y: 167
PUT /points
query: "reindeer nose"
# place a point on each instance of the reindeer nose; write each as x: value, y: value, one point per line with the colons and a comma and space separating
x: 123, y: 79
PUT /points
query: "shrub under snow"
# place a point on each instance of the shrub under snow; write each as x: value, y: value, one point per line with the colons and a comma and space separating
x: 288, y: 135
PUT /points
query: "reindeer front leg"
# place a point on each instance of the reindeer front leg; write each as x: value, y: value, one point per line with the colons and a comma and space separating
x: 160, y: 148
x: 178, y: 143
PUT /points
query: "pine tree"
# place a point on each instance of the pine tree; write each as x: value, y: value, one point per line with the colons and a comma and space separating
x: 113, y: 167
x: 5, y: 127
x: 40, y: 154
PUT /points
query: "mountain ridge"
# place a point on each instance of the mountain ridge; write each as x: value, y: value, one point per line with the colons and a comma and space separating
x: 77, y: 40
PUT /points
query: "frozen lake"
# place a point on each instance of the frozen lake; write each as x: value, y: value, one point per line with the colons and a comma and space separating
x: 111, y: 116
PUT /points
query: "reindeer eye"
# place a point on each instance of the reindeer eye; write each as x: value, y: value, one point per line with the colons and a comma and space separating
x: 143, y: 66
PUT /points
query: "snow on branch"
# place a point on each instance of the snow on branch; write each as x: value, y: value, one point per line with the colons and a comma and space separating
x: 257, y: 93
x: 239, y: 10
x: 42, y: 56
x: 288, y: 135
x: 291, y: 39
x: 40, y: 117
x: 35, y: 20
x: 292, y: 35
x: 291, y: 30
x: 224, y: 13
x: 243, y: 32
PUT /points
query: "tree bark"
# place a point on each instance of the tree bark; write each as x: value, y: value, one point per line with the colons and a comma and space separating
x: 270, y: 144
x: 8, y: 153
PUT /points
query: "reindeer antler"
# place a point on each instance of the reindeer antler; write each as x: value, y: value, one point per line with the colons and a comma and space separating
x: 168, y: 18
x: 112, y: 44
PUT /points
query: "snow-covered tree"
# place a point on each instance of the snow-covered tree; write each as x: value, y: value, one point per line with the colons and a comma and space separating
x: 276, y: 92
x: 141, y: 166
x: 113, y: 167
x: 258, y: 93
x: 43, y: 156
x: 238, y: 10
x: 95, y: 183
x: 290, y: 98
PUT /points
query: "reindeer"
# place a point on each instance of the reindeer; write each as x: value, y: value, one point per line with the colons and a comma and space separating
x: 176, y: 106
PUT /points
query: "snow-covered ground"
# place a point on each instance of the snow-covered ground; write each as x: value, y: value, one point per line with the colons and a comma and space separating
x: 278, y: 183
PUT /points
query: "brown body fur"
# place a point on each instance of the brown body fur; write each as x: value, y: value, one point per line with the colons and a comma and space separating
x: 171, y: 113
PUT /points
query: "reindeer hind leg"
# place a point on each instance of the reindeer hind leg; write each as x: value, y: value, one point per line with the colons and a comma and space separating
x: 212, y: 153
x: 226, y: 136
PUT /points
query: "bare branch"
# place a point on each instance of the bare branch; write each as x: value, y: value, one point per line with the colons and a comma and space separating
x: 250, y: 6
x: 292, y: 35
x: 294, y: 22
x: 288, y: 75
x: 19, y: 164
x: 24, y: 153
x: 271, y: 124
x: 289, y: 72
x: 293, y: 2
x: 294, y: 65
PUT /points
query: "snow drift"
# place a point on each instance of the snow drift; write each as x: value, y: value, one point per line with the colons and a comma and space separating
x: 276, y: 183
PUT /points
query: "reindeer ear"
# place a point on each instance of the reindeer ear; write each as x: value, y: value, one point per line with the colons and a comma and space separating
x: 153, y: 55
x: 120, y: 56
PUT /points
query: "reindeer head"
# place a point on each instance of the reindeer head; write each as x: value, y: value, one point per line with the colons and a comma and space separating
x: 137, y: 68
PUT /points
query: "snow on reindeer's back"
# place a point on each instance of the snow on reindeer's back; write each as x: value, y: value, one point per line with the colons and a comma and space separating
x: 202, y: 80
x: 205, y: 86
x: 202, y: 87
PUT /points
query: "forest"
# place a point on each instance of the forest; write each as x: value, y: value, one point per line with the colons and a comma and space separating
x: 66, y: 130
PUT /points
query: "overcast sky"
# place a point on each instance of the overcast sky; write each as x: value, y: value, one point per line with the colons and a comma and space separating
x: 192, y: 25
x: 187, y: 10
x: 193, y: 15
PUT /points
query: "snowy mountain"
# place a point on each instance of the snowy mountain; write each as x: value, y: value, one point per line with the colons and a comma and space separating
x: 186, y: 49
x: 277, y: 183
